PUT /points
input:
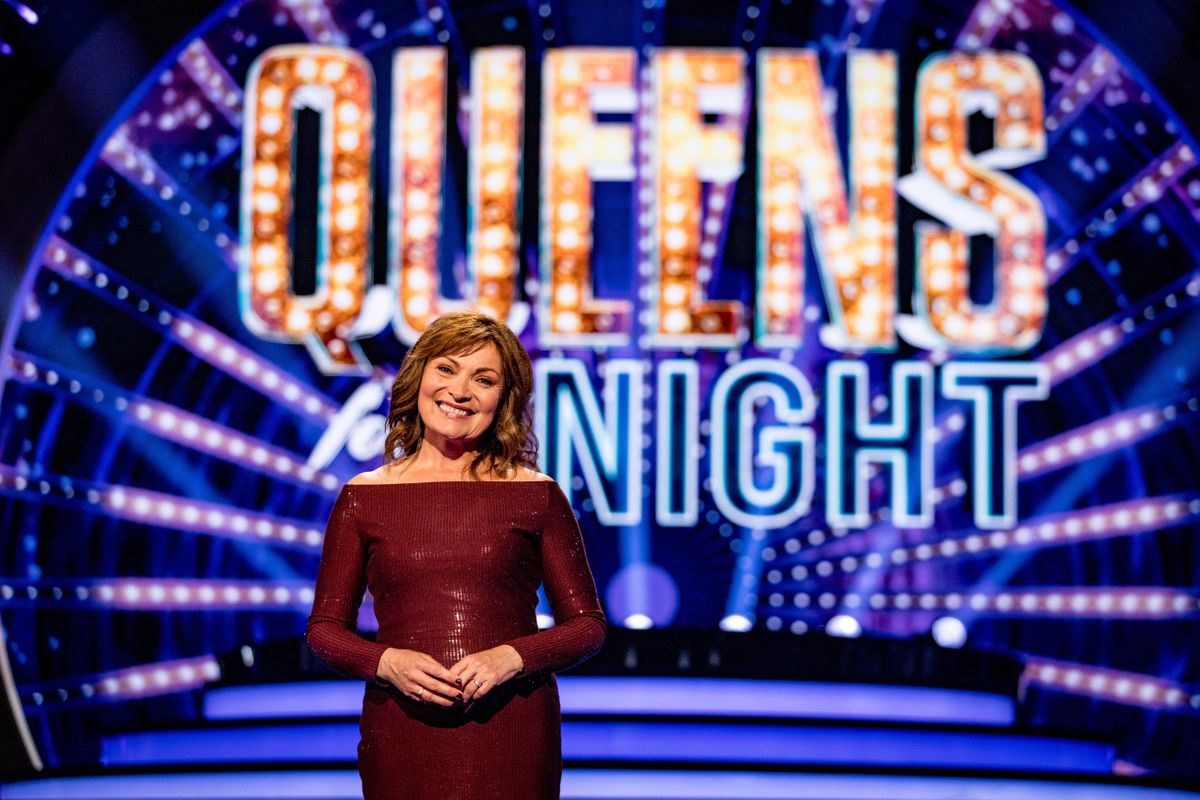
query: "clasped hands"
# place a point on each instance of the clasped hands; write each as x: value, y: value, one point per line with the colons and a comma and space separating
x: 420, y: 677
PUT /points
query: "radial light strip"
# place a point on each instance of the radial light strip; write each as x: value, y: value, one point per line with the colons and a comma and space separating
x: 1102, y: 436
x: 157, y: 594
x: 206, y: 71
x: 1144, y: 189
x: 1116, y: 686
x: 1125, y: 518
x: 1068, y: 602
x: 179, y: 425
x: 316, y: 20
x: 130, y: 683
x: 164, y: 510
x: 1079, y: 90
x: 139, y: 168
x: 199, y: 338
x: 988, y: 18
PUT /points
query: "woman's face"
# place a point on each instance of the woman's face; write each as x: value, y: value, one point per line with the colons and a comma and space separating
x: 459, y: 395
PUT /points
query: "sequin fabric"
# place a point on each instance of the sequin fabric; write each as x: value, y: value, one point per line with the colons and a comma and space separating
x: 454, y: 568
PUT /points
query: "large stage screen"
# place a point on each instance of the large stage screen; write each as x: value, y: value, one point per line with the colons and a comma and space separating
x: 867, y: 318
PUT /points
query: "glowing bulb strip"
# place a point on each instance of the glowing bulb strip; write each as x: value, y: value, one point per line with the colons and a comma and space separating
x: 801, y: 174
x: 316, y: 20
x: 176, y: 424
x: 209, y: 344
x: 166, y: 510
x: 967, y: 192
x: 1115, y: 686
x: 1082, y: 351
x: 1079, y: 90
x: 1089, y: 524
x: 1099, y: 522
x: 198, y: 338
x: 139, y: 168
x: 207, y: 72
x: 864, y: 10
x: 1070, y: 602
x: 576, y: 150
x: 1146, y: 188
x: 337, y: 83
x: 145, y: 680
x: 216, y: 519
x: 154, y: 594
x: 179, y: 425
x: 1091, y: 346
x: 418, y: 130
x: 1106, y: 435
x: 988, y: 18
x: 686, y: 152
x: 494, y: 183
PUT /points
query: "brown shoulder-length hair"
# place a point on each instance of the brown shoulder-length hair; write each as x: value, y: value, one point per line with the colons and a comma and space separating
x: 509, y: 442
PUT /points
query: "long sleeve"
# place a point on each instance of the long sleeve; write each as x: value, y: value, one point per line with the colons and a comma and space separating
x: 342, y: 577
x: 579, y: 627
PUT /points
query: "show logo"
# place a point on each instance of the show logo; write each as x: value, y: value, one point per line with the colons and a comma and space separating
x: 673, y: 127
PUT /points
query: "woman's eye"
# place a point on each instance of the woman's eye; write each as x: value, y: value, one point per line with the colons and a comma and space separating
x: 487, y: 381
x: 443, y: 369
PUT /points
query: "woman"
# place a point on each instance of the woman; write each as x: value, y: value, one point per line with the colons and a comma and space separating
x: 453, y: 539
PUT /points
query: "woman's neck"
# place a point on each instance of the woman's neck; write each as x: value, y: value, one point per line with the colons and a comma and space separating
x: 442, y: 459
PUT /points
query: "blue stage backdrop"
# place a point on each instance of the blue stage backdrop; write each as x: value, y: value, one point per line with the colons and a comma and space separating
x: 871, y: 317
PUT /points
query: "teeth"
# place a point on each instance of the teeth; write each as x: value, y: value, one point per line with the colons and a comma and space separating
x: 452, y: 411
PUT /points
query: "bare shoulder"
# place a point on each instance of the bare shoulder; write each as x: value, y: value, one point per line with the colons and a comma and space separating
x: 384, y: 474
x: 527, y: 474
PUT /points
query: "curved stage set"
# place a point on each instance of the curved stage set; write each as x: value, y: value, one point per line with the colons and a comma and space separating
x: 866, y: 350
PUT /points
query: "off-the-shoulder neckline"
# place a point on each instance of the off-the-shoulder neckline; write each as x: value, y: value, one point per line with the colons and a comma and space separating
x: 430, y: 483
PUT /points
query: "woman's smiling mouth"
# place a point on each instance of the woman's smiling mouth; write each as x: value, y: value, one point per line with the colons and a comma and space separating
x: 454, y: 411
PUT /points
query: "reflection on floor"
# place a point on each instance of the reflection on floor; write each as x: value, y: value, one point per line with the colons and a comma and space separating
x: 644, y: 737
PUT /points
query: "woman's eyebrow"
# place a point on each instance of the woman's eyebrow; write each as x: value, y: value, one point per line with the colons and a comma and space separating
x: 454, y: 361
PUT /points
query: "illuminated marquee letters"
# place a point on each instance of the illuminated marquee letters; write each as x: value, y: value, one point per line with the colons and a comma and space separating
x: 801, y: 178
x: 800, y: 175
x: 966, y: 191
x: 674, y: 127
x: 577, y: 83
x: 338, y: 85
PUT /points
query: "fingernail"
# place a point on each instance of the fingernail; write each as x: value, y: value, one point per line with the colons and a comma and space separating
x: 458, y: 681
x: 459, y: 697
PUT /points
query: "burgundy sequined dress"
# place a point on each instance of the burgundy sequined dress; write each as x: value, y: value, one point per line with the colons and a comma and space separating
x: 454, y: 568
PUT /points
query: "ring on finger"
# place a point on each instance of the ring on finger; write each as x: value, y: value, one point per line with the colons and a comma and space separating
x: 421, y: 693
x: 477, y: 683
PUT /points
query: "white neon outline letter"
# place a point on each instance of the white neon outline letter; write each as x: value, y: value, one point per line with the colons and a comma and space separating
x: 666, y: 470
x: 605, y: 429
x: 967, y: 381
x: 895, y: 430
x: 771, y: 440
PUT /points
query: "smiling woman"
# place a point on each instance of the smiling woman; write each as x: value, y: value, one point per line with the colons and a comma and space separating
x: 453, y: 538
x: 467, y: 384
x: 458, y: 397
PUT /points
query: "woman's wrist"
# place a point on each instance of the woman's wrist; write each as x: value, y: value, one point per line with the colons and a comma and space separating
x: 517, y: 661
